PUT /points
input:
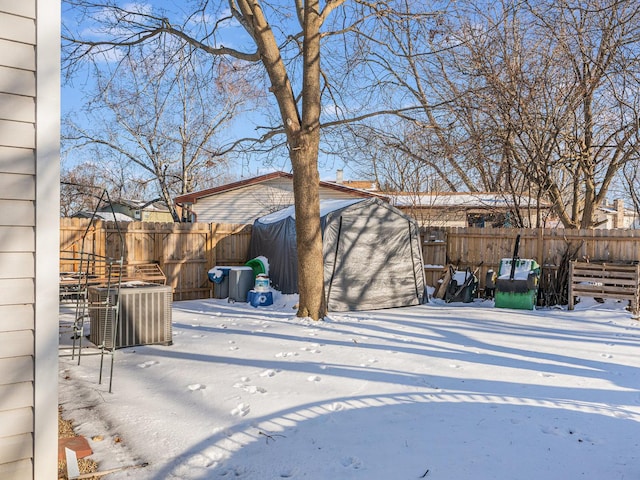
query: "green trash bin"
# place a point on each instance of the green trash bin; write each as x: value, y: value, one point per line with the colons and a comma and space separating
x: 517, y: 284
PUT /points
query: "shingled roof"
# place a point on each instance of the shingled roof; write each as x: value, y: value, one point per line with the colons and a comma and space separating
x: 194, y: 196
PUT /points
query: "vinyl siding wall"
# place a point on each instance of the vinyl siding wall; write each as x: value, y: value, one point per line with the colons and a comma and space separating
x: 245, y: 204
x: 29, y: 146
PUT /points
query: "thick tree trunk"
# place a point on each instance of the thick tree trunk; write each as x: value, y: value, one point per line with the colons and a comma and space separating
x: 306, y: 183
x: 308, y: 234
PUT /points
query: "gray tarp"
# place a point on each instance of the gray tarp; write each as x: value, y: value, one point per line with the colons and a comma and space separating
x: 372, y: 254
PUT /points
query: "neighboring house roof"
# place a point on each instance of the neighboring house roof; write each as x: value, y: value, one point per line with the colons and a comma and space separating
x: 156, y: 205
x: 194, y: 196
x: 369, y: 185
x: 458, y: 200
x: 107, y: 216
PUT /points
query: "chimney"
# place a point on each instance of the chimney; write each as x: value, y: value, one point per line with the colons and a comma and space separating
x: 339, y: 176
x: 619, y: 218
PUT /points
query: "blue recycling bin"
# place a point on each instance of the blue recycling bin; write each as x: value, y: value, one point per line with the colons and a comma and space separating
x: 219, y: 276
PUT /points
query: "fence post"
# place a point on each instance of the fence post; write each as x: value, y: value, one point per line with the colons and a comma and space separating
x: 100, y: 238
x: 158, y: 254
x: 540, y: 245
x: 211, y: 245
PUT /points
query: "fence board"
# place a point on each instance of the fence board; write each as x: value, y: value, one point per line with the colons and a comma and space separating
x: 185, y: 260
x: 78, y: 236
x: 231, y: 243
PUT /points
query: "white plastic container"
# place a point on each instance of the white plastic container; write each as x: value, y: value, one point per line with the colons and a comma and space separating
x: 262, y: 283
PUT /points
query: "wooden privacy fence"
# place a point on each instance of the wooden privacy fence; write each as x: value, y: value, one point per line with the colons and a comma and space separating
x: 483, y: 248
x: 184, y: 251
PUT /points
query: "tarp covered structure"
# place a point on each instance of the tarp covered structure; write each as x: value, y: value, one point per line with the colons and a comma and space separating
x: 372, y: 254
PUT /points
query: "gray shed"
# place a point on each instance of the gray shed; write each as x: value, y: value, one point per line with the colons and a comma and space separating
x: 372, y: 254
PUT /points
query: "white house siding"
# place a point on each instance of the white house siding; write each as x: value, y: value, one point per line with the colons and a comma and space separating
x: 29, y: 149
x: 243, y: 205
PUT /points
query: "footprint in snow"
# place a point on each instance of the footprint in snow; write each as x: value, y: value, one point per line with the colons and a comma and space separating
x: 351, y: 462
x: 286, y: 354
x: 196, y: 386
x: 202, y: 461
x: 606, y: 355
x: 198, y: 336
x: 310, y: 349
x: 550, y: 430
x: 313, y: 378
x: 268, y: 373
x: 241, y: 410
x: 250, y: 388
x: 147, y: 364
x: 233, y: 472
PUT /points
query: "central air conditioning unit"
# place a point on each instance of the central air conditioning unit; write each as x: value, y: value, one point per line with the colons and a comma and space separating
x: 144, y: 311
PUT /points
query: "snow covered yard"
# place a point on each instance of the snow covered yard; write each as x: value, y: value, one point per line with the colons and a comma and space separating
x: 439, y: 391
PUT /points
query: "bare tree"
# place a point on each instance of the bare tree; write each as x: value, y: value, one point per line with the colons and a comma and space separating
x: 631, y: 184
x: 79, y: 190
x: 409, y: 67
x: 539, y: 99
x: 384, y: 153
x: 83, y: 182
x: 159, y: 111
x: 564, y: 95
x: 559, y: 83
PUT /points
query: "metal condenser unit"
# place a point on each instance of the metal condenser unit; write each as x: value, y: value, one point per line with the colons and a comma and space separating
x: 144, y: 315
